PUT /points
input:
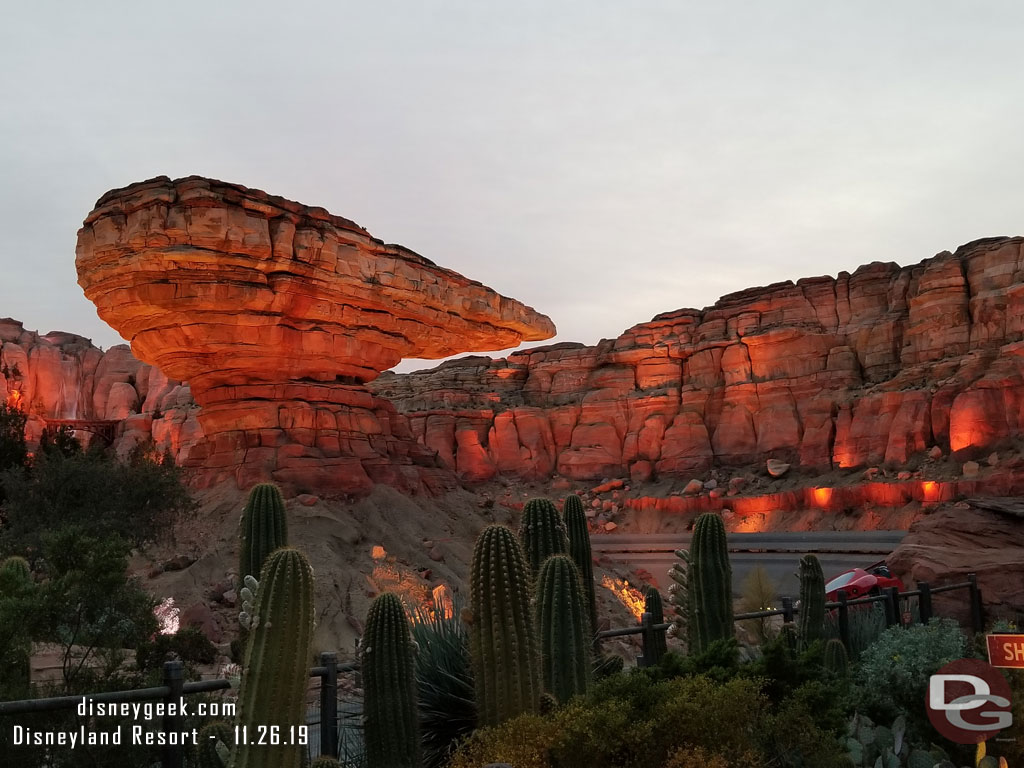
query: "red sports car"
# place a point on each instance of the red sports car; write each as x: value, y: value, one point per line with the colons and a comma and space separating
x: 858, y: 582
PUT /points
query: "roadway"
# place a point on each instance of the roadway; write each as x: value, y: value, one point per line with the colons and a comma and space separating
x: 777, y: 552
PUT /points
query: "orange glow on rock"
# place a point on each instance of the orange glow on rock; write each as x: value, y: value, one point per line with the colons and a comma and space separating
x: 627, y: 595
x: 14, y: 399
x: 378, y: 552
x: 822, y: 496
x: 443, y: 600
x: 930, y: 489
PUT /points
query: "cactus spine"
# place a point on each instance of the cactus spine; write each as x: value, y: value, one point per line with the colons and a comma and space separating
x: 565, y: 630
x: 710, y: 584
x: 388, y: 664
x: 836, y: 660
x: 812, y: 600
x: 658, y: 647
x: 542, y: 532
x: 263, y: 529
x: 502, y: 638
x: 276, y: 659
x: 579, y: 549
x: 210, y: 736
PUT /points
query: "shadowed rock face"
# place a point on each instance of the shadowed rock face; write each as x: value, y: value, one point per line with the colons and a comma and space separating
x: 277, y: 314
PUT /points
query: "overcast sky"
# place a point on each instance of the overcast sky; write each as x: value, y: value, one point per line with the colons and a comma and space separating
x: 600, y: 161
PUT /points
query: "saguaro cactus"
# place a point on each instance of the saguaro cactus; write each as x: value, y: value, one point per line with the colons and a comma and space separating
x: 658, y: 647
x: 542, y: 532
x: 579, y: 549
x: 502, y: 638
x: 276, y: 664
x: 836, y: 659
x: 391, y: 726
x: 263, y: 529
x: 710, y: 584
x: 565, y: 630
x: 812, y: 600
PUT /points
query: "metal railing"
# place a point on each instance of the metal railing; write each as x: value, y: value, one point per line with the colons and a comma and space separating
x: 890, y: 599
x: 175, y: 688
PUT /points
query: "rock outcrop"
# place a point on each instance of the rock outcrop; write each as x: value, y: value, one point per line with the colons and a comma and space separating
x: 869, y: 368
x: 277, y: 315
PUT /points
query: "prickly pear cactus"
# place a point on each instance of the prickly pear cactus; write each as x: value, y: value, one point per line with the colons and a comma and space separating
x: 388, y: 665
x: 502, y: 637
x: 542, y: 533
x: 579, y: 549
x: 263, y: 529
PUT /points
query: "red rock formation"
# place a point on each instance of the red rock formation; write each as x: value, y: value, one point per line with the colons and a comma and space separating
x: 864, y: 369
x: 277, y: 315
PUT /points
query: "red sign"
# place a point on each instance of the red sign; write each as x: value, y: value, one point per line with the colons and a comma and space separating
x: 1006, y: 651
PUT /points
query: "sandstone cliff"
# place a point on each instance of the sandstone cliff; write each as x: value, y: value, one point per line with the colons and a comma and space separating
x: 868, y: 368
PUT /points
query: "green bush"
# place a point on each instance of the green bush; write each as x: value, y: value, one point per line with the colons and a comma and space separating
x: 892, y: 677
x: 189, y: 645
x: 137, y: 499
x: 644, y: 720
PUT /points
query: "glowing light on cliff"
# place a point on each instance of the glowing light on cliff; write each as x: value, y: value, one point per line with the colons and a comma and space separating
x: 14, y: 399
x: 930, y: 489
x: 167, y: 617
x: 822, y: 496
x: 443, y: 601
x: 627, y: 595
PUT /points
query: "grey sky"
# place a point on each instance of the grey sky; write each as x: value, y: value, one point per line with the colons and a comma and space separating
x: 601, y: 161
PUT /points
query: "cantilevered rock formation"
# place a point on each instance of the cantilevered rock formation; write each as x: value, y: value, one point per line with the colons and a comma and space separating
x: 277, y: 314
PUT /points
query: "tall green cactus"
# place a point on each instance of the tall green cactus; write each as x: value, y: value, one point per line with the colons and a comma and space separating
x: 388, y: 665
x: 276, y: 664
x: 15, y: 575
x: 263, y: 529
x: 710, y: 584
x: 542, y: 532
x: 579, y: 549
x: 812, y: 600
x: 653, y: 605
x: 565, y: 630
x: 836, y: 660
x: 502, y: 638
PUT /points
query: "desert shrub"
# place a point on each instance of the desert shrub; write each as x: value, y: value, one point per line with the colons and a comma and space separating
x: 189, y: 645
x: 136, y: 500
x: 13, y: 452
x: 892, y: 677
x: 522, y: 742
x: 758, y: 594
x: 444, y: 677
x: 641, y: 720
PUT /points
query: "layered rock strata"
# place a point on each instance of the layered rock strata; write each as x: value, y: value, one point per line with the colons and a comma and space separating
x: 277, y: 315
x: 869, y: 368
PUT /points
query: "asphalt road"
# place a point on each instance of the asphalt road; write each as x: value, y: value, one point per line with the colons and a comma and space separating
x: 778, y: 553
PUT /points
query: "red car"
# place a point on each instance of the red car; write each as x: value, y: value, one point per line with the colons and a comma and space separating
x: 858, y: 582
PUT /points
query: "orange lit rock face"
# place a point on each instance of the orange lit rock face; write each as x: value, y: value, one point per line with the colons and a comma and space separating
x: 866, y: 368
x: 277, y: 314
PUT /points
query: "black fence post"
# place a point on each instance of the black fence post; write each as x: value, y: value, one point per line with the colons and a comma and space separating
x: 892, y: 595
x: 329, y: 705
x: 173, y: 722
x: 924, y: 602
x: 977, y: 614
x: 647, y: 639
x: 844, y: 620
x: 787, y: 609
x: 890, y: 611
